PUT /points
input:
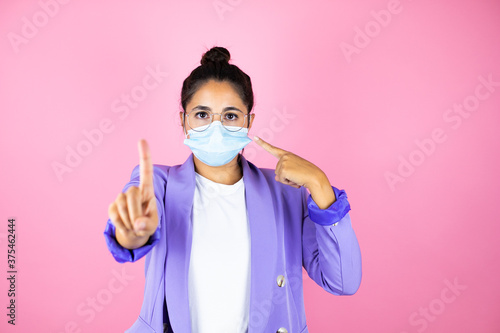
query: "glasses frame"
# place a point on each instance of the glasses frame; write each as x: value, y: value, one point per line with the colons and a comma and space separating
x: 212, y: 114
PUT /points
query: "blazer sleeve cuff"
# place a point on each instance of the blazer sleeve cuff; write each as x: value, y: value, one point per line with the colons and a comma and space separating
x: 331, y: 215
x: 122, y: 254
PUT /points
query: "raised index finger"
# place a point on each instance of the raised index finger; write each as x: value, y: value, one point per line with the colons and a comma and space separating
x: 146, y: 170
x: 275, y: 151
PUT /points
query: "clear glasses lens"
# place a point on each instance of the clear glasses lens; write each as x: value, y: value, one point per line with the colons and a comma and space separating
x: 232, y: 120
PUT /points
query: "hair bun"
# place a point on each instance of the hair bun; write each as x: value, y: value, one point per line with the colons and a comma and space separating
x: 216, y: 54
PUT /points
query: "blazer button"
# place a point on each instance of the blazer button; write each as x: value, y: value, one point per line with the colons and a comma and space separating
x: 282, y: 330
x: 280, y: 280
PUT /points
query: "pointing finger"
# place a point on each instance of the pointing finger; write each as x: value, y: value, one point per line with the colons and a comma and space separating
x: 146, y: 170
x: 275, y: 151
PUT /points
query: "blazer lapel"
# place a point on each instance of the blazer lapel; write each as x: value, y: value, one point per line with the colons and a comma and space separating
x: 263, y: 245
x: 179, y: 202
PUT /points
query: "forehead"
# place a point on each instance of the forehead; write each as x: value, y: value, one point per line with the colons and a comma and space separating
x: 216, y: 92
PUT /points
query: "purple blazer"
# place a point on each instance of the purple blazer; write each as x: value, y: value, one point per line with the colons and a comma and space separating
x: 288, y: 231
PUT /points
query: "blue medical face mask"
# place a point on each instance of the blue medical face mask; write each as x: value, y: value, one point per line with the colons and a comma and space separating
x: 216, y: 146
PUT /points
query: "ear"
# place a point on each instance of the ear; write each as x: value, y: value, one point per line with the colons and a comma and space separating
x: 252, y: 117
x: 181, y: 113
x: 181, y: 116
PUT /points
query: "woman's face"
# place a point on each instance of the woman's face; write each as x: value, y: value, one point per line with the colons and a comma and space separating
x: 216, y: 96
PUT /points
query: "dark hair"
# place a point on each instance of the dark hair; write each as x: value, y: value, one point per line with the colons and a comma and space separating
x: 215, y: 65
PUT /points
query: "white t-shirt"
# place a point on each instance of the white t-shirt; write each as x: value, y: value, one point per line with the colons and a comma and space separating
x: 219, y: 268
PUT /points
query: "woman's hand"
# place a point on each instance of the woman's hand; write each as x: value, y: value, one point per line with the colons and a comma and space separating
x: 134, y: 213
x: 295, y: 171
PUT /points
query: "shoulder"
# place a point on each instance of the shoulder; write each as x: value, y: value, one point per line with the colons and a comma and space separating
x: 268, y: 173
x: 160, y: 172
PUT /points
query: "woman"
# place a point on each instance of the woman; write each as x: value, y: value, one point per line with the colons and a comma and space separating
x: 224, y: 240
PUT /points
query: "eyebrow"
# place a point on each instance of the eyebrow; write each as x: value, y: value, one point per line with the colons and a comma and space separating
x: 206, y: 108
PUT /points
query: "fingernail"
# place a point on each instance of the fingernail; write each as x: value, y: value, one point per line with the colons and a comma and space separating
x: 140, y: 225
x: 256, y: 138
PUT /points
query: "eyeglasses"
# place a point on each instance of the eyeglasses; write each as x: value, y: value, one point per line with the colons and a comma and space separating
x: 232, y: 120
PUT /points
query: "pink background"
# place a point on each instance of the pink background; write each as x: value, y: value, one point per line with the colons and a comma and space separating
x: 356, y: 115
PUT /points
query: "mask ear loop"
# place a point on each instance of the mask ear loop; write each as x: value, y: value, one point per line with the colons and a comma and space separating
x: 248, y: 128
